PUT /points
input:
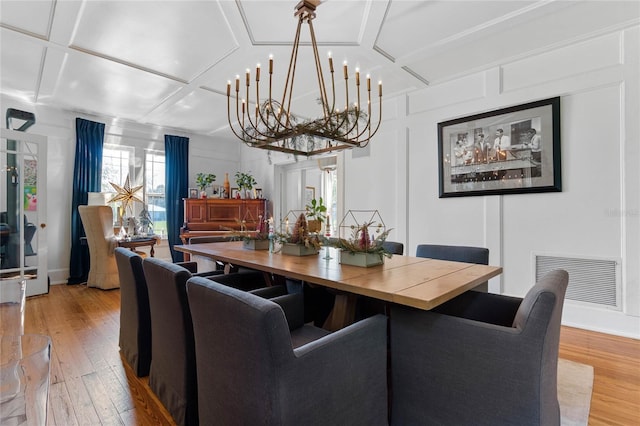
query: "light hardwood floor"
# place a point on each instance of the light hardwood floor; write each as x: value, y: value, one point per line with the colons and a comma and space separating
x: 90, y: 384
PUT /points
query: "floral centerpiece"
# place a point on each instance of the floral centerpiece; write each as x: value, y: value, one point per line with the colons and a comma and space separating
x: 298, y: 242
x: 362, y: 241
x: 252, y: 240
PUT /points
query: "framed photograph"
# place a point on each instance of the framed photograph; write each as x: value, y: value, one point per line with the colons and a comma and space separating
x: 235, y: 193
x: 193, y: 192
x: 309, y: 194
x: 506, y: 151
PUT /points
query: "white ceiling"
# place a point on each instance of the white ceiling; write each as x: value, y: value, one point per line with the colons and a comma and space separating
x: 167, y: 63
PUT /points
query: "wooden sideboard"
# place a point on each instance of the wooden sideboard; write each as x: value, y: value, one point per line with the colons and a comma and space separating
x: 215, y: 216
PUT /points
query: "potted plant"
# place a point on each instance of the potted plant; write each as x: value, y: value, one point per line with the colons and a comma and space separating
x: 203, y: 180
x: 245, y: 182
x: 316, y: 211
x: 298, y: 242
x: 361, y: 241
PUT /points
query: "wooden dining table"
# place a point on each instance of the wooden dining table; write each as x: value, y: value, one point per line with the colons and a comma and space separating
x: 419, y: 282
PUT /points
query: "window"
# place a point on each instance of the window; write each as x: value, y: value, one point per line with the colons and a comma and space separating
x: 116, y: 162
x: 144, y: 167
x: 154, y: 189
x: 330, y: 198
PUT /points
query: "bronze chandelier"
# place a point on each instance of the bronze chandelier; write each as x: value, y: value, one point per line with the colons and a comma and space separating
x: 274, y: 127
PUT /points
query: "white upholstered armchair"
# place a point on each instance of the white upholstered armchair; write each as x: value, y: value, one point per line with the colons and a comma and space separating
x: 98, y: 227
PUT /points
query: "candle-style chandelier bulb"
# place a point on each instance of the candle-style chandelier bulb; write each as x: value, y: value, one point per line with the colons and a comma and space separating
x: 273, y: 126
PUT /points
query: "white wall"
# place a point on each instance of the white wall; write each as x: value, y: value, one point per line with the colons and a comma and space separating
x: 207, y: 154
x: 597, y: 215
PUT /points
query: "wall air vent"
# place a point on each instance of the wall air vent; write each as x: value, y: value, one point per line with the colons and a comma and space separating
x: 590, y: 280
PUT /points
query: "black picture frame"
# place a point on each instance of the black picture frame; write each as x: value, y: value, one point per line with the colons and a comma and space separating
x: 473, y: 160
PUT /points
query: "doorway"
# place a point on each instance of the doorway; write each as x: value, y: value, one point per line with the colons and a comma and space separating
x: 23, y: 248
x: 298, y: 183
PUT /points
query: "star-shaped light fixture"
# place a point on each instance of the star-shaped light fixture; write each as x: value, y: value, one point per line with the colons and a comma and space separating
x: 126, y: 194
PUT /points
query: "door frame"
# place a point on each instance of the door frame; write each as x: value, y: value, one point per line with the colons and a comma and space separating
x: 39, y: 285
x: 282, y: 170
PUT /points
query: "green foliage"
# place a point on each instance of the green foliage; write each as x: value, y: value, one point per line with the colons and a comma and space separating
x: 245, y: 180
x: 204, y: 179
x: 316, y: 210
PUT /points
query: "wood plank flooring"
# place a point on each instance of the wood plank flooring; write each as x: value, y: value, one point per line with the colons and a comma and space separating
x: 91, y: 384
x: 616, y: 383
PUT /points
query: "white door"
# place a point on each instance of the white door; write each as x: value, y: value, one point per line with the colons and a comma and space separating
x: 23, y: 242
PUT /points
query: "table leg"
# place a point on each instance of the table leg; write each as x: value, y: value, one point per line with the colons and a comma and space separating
x: 343, y: 313
x: 152, y: 251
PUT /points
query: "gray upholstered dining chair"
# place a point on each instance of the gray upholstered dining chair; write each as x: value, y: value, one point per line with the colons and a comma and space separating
x: 259, y: 364
x: 368, y: 306
x: 393, y: 247
x: 477, y: 255
x: 172, y: 375
x: 135, y: 318
x: 479, y: 359
x: 228, y: 268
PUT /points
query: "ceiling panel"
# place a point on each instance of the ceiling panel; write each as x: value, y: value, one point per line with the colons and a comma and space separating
x: 514, y: 40
x: 21, y: 60
x: 29, y: 16
x: 88, y: 83
x: 166, y: 37
x: 434, y: 22
x: 167, y: 62
x: 199, y: 110
x: 336, y: 22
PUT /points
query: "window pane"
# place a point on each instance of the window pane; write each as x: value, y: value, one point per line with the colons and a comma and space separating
x: 154, y: 189
x: 330, y: 198
x: 115, y: 166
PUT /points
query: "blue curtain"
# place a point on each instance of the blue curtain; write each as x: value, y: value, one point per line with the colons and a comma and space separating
x: 176, y: 150
x: 87, y: 172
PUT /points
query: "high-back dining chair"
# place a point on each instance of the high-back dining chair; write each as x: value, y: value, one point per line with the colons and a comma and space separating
x: 393, y: 247
x: 29, y: 232
x: 251, y: 371
x: 135, y: 318
x: 172, y: 376
x: 98, y: 227
x: 204, y: 239
x: 479, y: 359
x: 478, y: 255
x: 367, y: 306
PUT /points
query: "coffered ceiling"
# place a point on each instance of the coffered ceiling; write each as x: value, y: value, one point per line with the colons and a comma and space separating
x: 167, y: 63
